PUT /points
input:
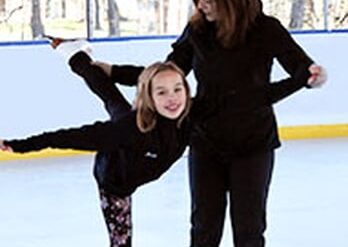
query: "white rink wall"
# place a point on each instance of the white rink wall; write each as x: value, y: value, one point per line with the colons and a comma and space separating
x: 39, y: 92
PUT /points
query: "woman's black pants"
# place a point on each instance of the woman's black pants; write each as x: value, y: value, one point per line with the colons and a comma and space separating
x: 244, y: 181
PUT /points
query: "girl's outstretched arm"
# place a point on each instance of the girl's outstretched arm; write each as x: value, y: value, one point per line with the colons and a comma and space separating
x: 100, y: 136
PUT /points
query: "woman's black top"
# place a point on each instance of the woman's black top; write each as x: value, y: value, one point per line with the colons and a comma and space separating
x: 232, y: 111
x: 233, y: 106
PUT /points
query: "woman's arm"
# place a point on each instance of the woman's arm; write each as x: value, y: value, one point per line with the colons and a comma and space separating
x: 128, y: 75
x: 182, y: 51
x: 295, y: 62
x: 122, y: 74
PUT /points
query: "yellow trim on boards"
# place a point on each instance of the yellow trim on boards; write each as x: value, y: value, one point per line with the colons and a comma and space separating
x: 313, y: 131
x: 46, y: 153
x: 286, y: 133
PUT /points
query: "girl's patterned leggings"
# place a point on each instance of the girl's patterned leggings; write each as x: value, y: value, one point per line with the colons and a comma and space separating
x: 117, y: 215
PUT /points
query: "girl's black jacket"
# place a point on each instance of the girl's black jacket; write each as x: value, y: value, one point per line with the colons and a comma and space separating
x: 137, y: 157
x: 232, y: 111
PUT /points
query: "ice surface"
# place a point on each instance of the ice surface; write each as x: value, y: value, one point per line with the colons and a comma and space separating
x: 54, y: 202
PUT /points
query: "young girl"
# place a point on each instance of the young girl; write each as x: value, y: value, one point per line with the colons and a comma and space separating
x: 137, y: 146
x: 230, y: 46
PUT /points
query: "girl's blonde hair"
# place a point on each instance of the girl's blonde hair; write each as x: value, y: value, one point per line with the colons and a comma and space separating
x: 146, y: 112
x: 235, y: 18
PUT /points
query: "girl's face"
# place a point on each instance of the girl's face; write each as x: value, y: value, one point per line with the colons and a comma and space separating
x: 168, y: 94
x: 208, y: 8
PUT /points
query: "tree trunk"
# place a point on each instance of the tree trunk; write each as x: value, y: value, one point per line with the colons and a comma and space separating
x: 340, y: 14
x: 97, y: 16
x: 113, y: 18
x: 48, y: 8
x: 35, y: 22
x: 63, y: 9
x: 297, y: 14
x: 166, y: 15
x: 2, y: 7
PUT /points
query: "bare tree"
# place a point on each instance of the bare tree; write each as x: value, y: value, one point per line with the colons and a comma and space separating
x: 166, y: 15
x: 278, y: 8
x: 35, y: 21
x: 311, y: 19
x: 2, y: 7
x: 339, y: 13
x: 97, y: 16
x: 7, y: 16
x: 297, y: 14
x: 158, y: 6
x: 113, y: 18
x: 48, y: 8
x: 63, y: 8
x: 161, y: 10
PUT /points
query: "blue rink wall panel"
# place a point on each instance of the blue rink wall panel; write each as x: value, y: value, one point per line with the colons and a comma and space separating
x: 39, y: 92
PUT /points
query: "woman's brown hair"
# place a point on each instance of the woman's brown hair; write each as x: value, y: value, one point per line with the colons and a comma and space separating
x: 234, y: 19
x: 144, y: 104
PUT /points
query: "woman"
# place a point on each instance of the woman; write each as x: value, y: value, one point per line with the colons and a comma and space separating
x: 230, y: 46
x: 135, y: 147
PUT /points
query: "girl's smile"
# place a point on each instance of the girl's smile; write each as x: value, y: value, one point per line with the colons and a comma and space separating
x: 169, y: 94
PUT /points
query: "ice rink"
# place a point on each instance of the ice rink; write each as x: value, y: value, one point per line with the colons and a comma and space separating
x: 54, y: 202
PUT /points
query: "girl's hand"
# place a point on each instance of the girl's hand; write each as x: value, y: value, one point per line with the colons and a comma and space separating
x: 104, y: 66
x: 4, y: 147
x: 318, y: 76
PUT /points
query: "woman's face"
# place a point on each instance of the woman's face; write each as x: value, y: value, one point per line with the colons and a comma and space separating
x: 208, y: 8
x: 169, y: 94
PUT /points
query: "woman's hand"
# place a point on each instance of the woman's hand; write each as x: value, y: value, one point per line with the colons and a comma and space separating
x: 4, y: 147
x: 318, y: 76
x: 104, y: 66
